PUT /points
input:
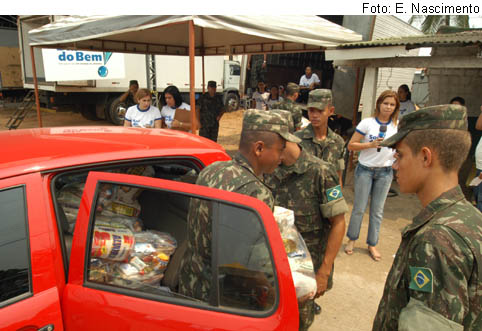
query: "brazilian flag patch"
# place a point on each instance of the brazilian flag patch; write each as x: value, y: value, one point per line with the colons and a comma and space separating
x: 334, y: 193
x: 421, y: 279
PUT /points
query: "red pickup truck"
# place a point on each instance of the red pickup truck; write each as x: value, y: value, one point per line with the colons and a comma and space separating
x: 94, y: 230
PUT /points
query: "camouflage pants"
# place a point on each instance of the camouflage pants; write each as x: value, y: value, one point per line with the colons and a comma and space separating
x: 210, y: 132
x: 316, y: 247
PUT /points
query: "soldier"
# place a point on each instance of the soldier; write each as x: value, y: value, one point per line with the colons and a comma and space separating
x: 292, y: 91
x: 309, y: 187
x: 129, y: 97
x: 256, y: 68
x: 317, y: 138
x: 263, y: 139
x: 435, y: 280
x: 211, y: 111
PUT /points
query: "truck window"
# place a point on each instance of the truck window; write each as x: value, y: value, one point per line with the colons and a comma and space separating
x: 15, y: 279
x: 140, y: 245
x: 68, y: 188
x: 235, y: 70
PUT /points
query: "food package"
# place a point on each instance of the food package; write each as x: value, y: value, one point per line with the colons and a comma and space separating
x: 112, y: 241
x: 69, y: 199
x: 299, y: 257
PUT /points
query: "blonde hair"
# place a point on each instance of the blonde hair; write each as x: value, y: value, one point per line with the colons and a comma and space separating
x: 382, y: 97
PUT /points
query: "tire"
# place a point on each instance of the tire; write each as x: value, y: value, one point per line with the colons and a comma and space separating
x: 232, y: 102
x: 88, y: 112
x: 116, y: 115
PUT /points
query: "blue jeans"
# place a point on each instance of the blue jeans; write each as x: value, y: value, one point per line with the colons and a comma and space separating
x: 478, y: 192
x: 375, y: 182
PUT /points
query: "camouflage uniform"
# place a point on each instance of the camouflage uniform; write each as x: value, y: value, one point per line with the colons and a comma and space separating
x: 293, y: 108
x: 435, y: 280
x: 210, y: 109
x: 237, y: 176
x: 311, y: 189
x: 257, y: 72
x: 331, y: 149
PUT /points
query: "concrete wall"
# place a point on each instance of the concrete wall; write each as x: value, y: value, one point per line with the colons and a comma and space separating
x: 444, y: 84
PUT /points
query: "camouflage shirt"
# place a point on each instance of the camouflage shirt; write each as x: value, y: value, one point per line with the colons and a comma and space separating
x: 331, y: 149
x: 210, y: 109
x: 294, y: 109
x: 235, y: 176
x: 311, y: 189
x: 439, y: 264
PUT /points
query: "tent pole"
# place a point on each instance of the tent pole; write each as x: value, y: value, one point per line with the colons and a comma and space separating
x: 192, y: 47
x: 202, y: 52
x: 35, y: 83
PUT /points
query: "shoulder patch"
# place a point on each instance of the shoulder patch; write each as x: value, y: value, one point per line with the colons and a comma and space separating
x: 334, y: 193
x: 421, y: 279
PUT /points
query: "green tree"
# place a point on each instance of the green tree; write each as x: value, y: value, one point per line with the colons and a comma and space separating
x: 431, y: 23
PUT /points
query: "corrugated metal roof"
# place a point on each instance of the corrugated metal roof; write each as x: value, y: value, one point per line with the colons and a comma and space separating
x: 461, y: 38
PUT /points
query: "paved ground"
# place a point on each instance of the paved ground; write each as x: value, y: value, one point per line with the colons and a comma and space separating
x: 358, y: 281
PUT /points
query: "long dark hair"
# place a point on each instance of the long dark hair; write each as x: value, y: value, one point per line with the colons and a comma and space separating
x: 174, y: 91
x: 407, y: 90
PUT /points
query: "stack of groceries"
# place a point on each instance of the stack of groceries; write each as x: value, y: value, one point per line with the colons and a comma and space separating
x: 299, y: 257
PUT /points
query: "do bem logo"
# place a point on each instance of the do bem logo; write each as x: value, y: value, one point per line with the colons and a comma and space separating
x: 79, y: 57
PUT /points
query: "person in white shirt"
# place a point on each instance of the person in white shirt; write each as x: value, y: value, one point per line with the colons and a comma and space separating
x: 172, y: 100
x: 405, y: 97
x: 274, y: 97
x: 143, y: 115
x: 373, y: 174
x: 261, y: 96
x: 309, y: 81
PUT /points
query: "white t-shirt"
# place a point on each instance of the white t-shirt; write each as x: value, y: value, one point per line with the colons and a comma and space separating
x: 142, y: 118
x: 261, y: 100
x: 369, y: 128
x: 406, y: 107
x: 167, y: 113
x: 271, y: 102
x: 307, y: 82
x: 478, y: 155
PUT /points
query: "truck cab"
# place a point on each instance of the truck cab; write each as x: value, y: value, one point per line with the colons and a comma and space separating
x: 96, y: 229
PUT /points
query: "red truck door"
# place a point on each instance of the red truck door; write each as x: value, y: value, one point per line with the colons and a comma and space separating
x: 29, y: 294
x: 115, y: 284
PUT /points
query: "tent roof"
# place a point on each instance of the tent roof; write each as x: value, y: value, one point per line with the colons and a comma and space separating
x: 214, y: 35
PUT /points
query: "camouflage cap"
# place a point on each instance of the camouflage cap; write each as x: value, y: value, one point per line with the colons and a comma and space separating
x: 292, y: 88
x: 262, y: 120
x: 287, y: 116
x: 319, y: 98
x: 435, y: 117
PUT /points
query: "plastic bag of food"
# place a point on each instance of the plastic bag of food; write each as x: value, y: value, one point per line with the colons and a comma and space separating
x: 154, y: 249
x: 133, y: 223
x: 112, y: 241
x: 299, y: 257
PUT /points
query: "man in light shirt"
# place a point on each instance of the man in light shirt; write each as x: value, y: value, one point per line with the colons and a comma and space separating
x: 308, y: 82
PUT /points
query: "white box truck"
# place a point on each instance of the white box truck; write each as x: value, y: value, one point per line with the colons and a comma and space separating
x: 98, y: 98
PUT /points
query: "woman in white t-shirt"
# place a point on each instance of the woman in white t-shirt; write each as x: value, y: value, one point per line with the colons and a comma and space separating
x: 261, y: 97
x: 143, y: 115
x: 373, y: 174
x: 172, y: 100
x: 406, y: 104
x: 273, y: 97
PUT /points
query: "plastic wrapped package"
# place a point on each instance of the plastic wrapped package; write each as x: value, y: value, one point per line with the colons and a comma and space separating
x: 135, y: 224
x: 69, y: 199
x: 299, y: 257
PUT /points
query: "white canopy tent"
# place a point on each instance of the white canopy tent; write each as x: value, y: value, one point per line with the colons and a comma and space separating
x: 190, y: 35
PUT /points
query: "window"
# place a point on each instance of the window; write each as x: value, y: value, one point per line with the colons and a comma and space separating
x: 14, y: 246
x: 68, y: 188
x: 142, y: 244
x: 235, y: 70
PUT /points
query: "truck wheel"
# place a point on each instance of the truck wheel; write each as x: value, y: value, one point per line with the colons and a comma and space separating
x: 117, y: 111
x: 88, y: 112
x: 232, y: 102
